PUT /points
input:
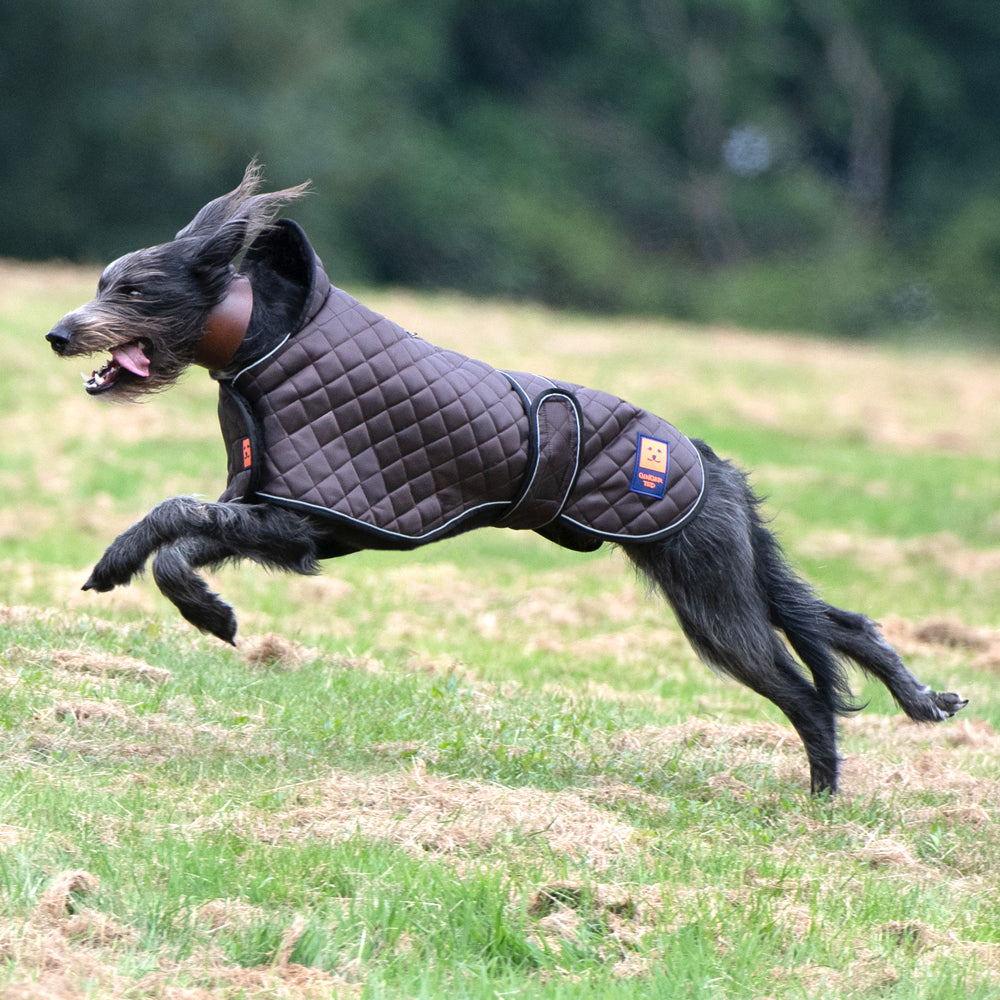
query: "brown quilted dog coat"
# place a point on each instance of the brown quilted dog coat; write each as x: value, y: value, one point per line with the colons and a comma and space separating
x: 400, y: 443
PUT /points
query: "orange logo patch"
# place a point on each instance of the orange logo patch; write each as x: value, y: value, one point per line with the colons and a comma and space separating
x: 247, y: 454
x: 653, y: 454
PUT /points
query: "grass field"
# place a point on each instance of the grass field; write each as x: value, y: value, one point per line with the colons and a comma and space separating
x: 492, y: 768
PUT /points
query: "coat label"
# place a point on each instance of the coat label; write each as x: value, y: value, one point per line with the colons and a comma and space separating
x: 652, y: 460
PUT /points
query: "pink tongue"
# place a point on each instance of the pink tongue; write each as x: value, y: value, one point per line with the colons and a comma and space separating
x: 130, y: 356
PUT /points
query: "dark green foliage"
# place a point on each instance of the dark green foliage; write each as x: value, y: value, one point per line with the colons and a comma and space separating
x: 778, y: 164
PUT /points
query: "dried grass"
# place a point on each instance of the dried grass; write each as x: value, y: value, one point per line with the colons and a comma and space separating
x: 936, y: 402
x: 766, y: 745
x: 111, y: 730
x: 944, y: 550
x: 65, y: 950
x: 21, y: 614
x: 100, y: 664
x: 937, y: 634
x: 273, y: 652
x: 430, y: 815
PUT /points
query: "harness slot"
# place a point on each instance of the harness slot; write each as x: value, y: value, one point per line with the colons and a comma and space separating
x: 555, y: 429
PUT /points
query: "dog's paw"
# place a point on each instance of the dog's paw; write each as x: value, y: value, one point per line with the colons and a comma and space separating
x: 110, y: 572
x: 217, y: 619
x: 97, y: 582
x: 948, y: 703
x: 206, y: 611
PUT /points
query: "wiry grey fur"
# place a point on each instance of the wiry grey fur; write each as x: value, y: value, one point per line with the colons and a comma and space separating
x: 161, y: 296
x: 724, y: 574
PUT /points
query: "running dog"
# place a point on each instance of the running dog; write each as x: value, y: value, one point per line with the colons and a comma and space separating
x: 344, y: 432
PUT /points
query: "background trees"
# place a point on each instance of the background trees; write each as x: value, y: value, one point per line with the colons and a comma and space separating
x: 827, y: 164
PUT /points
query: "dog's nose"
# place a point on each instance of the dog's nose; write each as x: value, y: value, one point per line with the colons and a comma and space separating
x: 58, y: 337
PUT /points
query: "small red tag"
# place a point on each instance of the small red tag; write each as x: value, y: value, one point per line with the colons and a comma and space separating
x: 247, y: 454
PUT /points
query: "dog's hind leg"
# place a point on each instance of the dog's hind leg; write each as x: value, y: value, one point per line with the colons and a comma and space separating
x: 855, y: 636
x: 708, y: 572
x: 270, y: 535
x: 818, y: 631
x: 725, y: 621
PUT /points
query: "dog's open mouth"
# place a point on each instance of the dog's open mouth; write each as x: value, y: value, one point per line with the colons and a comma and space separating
x: 130, y: 357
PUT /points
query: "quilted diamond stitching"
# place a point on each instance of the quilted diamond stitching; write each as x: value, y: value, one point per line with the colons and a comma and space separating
x: 449, y: 438
x: 404, y: 436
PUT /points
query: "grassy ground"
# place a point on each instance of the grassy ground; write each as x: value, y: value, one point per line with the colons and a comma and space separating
x: 492, y: 768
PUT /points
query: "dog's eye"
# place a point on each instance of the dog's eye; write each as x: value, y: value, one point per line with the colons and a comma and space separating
x: 130, y: 292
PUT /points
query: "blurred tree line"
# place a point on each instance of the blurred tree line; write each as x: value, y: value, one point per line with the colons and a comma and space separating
x: 822, y: 164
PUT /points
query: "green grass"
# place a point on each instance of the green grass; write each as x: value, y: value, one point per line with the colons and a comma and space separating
x: 493, y: 768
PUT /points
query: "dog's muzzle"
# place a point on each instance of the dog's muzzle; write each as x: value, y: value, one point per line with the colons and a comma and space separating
x: 59, y: 338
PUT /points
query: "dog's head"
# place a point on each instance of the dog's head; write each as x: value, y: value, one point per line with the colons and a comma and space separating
x: 151, y: 306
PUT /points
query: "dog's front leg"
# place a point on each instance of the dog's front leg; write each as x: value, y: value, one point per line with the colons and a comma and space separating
x: 127, y: 554
x: 187, y: 534
x: 272, y: 536
x: 173, y: 571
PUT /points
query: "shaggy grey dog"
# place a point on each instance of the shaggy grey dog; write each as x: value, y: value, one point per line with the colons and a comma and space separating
x: 205, y: 298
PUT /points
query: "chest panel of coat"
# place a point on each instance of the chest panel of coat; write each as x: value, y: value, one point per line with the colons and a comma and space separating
x: 363, y: 418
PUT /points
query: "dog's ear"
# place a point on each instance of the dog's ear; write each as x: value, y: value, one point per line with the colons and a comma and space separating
x: 212, y: 215
x: 226, y: 226
x: 216, y: 253
x: 244, y: 203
